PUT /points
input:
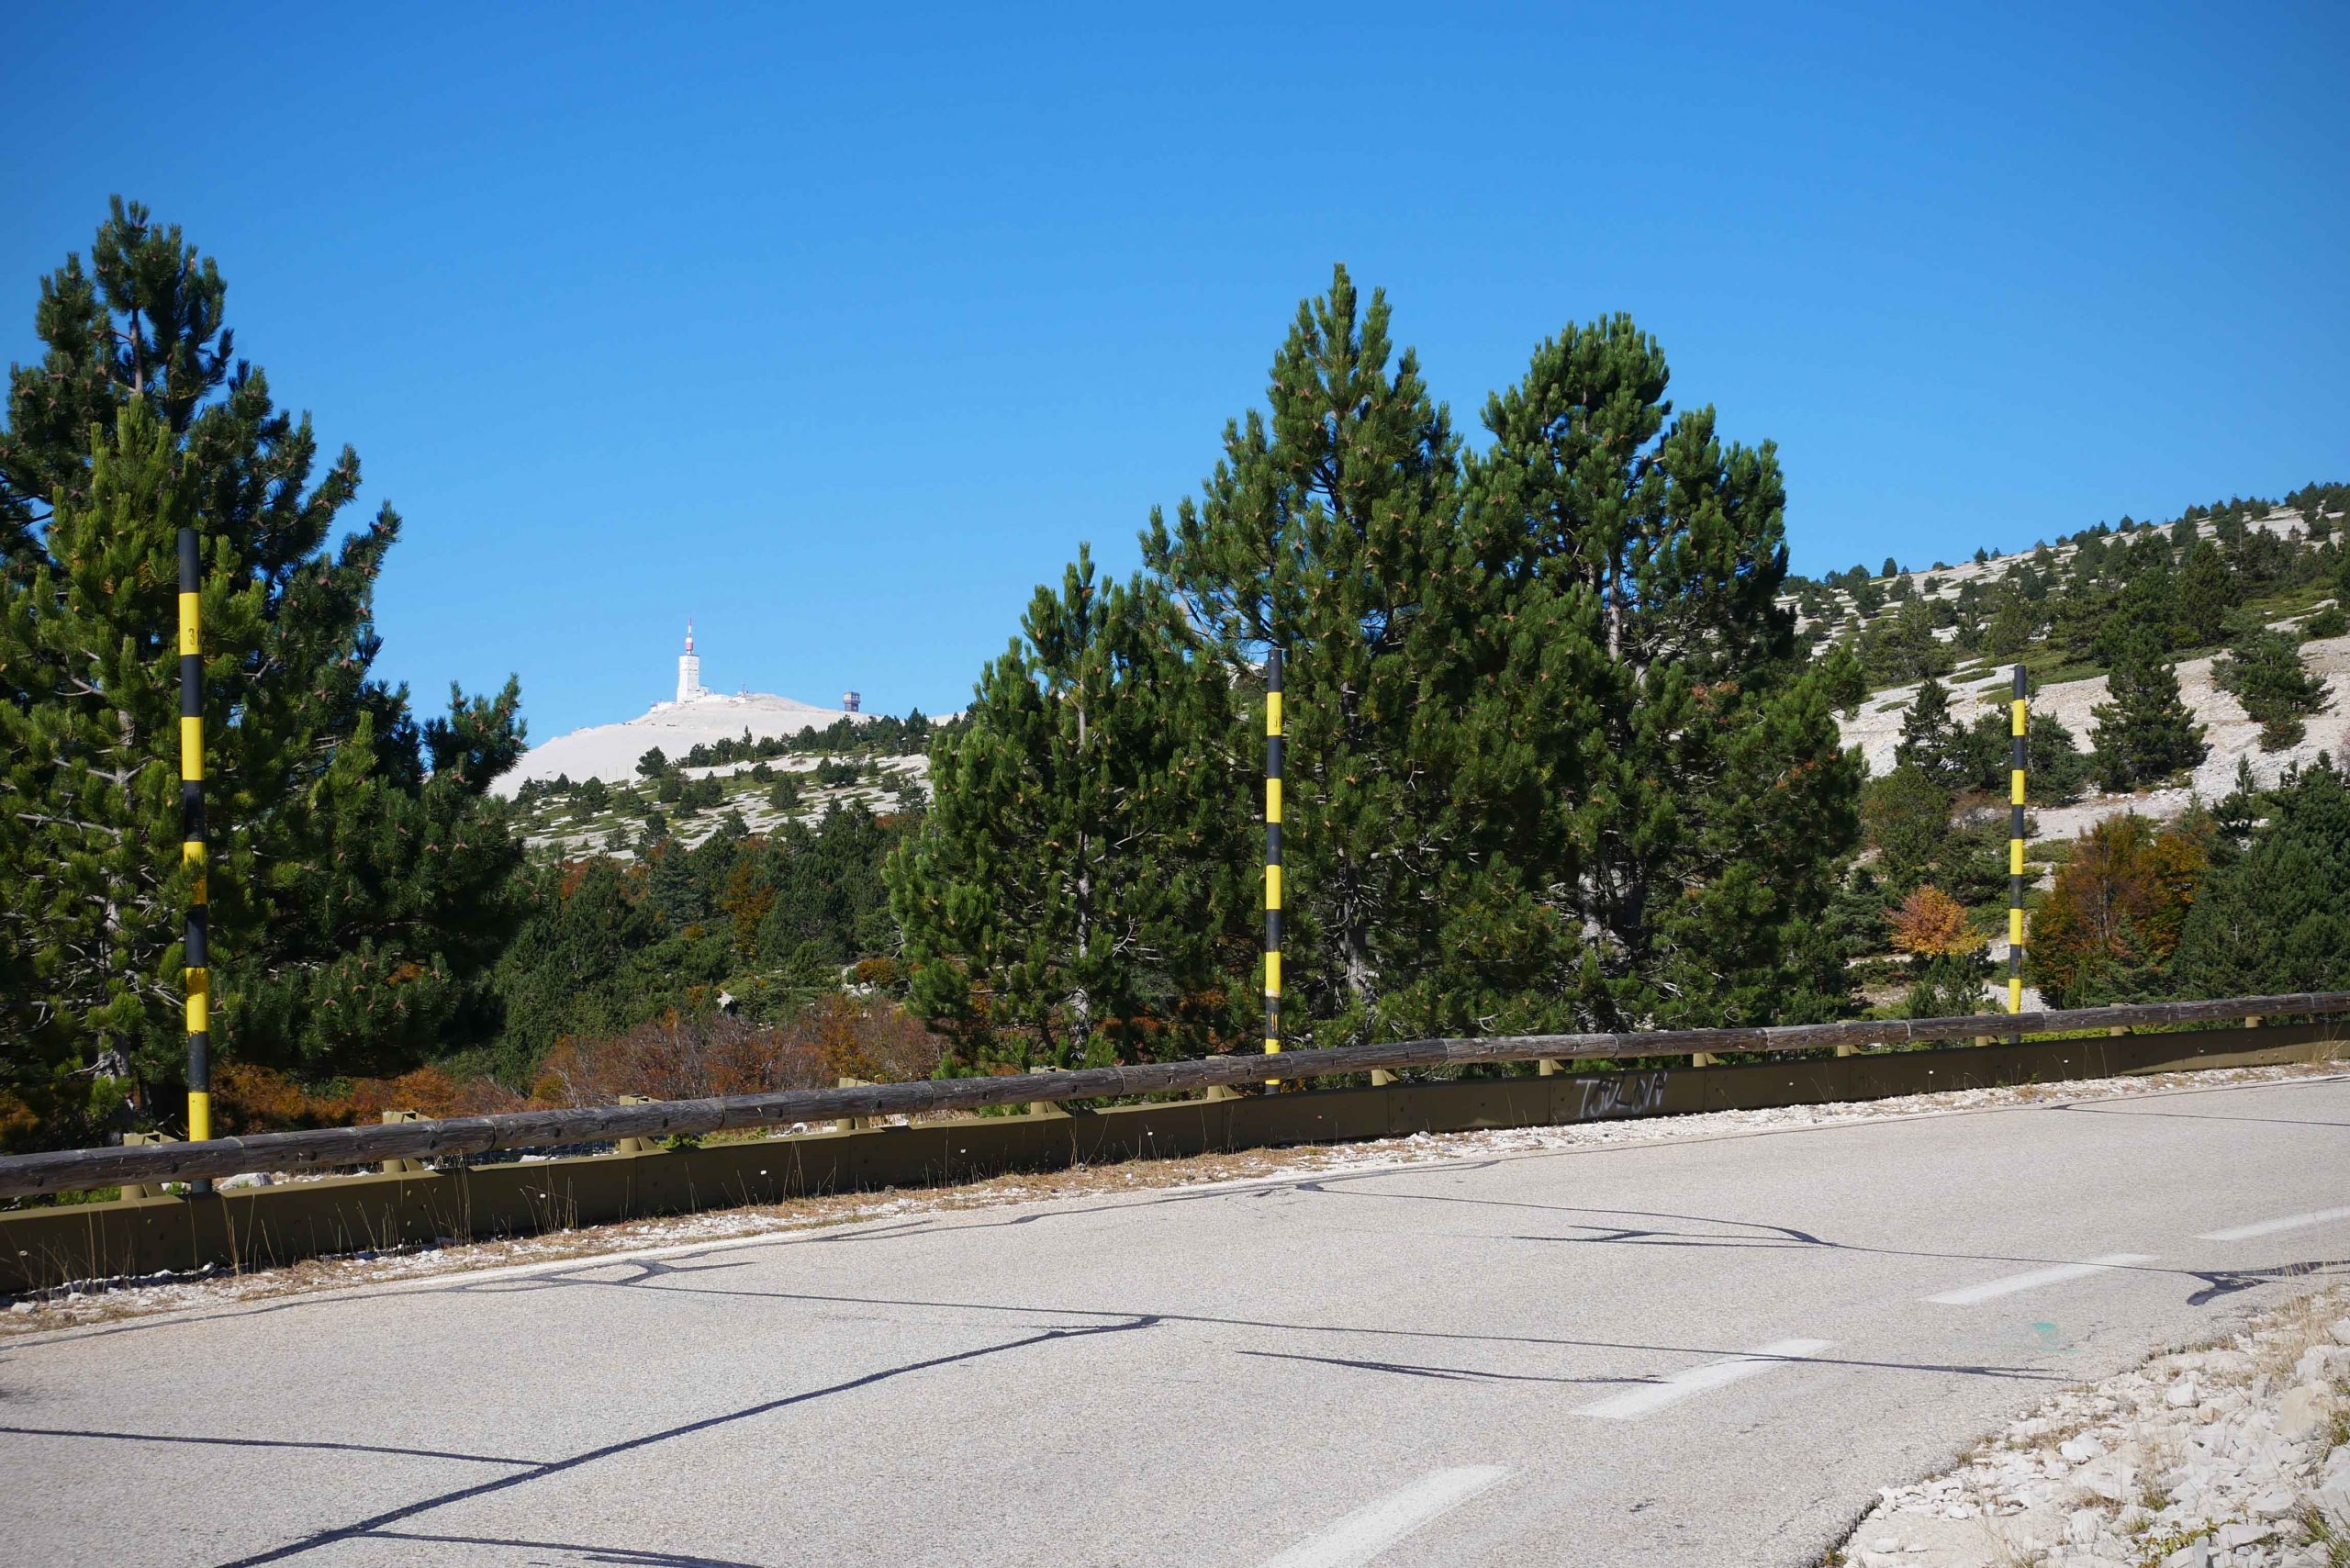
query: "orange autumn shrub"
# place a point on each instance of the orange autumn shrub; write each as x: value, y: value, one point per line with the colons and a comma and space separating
x: 689, y: 1056
x: 675, y: 1057
x: 872, y: 1038
x: 432, y: 1092
x: 247, y: 1098
x: 1930, y: 924
x: 2116, y: 910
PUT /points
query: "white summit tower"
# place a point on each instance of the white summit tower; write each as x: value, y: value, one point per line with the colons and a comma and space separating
x: 689, y: 669
x: 697, y: 717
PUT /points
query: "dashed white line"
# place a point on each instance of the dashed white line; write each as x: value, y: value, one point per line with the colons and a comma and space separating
x: 1672, y: 1390
x: 2271, y: 1227
x: 1368, y: 1531
x: 2057, y: 1275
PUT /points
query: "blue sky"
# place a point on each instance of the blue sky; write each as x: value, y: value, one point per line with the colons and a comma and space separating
x: 838, y: 328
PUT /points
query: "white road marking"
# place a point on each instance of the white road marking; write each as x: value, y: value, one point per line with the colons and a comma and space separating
x: 1368, y: 1531
x: 1697, y: 1380
x: 2057, y: 1275
x: 2271, y: 1227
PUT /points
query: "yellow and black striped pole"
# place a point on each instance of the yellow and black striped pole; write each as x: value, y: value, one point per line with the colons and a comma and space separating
x: 2016, y: 765
x: 199, y: 973
x: 1273, y: 854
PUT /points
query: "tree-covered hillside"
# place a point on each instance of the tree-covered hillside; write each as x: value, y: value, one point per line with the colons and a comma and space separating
x: 2087, y: 602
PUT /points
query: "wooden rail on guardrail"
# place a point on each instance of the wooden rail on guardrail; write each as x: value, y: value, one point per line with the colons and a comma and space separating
x: 334, y: 1149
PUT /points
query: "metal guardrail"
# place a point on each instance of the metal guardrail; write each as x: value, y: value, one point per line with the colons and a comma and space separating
x: 335, y: 1149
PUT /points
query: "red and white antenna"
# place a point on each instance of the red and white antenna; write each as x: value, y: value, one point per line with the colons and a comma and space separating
x: 689, y: 633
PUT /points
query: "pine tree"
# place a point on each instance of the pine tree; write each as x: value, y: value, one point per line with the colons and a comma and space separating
x: 2055, y: 771
x: 145, y: 322
x: 1902, y: 647
x: 1330, y: 529
x: 2271, y: 919
x: 1699, y: 801
x: 2145, y: 734
x: 2055, y: 768
x: 2012, y: 627
x: 1079, y: 892
x: 1932, y: 739
x: 89, y: 803
x: 2206, y: 591
x: 1907, y: 816
x: 2145, y: 609
x: 356, y: 902
x: 2264, y: 672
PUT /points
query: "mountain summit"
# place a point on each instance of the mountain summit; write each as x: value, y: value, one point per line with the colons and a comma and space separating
x: 696, y: 716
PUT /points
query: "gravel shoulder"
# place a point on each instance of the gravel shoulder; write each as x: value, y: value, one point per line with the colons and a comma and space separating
x: 2235, y: 1452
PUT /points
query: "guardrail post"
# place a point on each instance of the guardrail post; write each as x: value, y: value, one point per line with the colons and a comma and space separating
x: 402, y: 1166
x: 1845, y: 1050
x: 143, y: 1189
x: 1381, y: 1078
x: 856, y: 1124
x: 637, y: 1145
x: 1546, y: 1067
x: 2253, y: 1022
x: 1704, y: 1058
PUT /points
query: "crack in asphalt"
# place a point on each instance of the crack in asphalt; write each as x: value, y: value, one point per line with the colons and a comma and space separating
x: 375, y: 1523
x: 264, y: 1444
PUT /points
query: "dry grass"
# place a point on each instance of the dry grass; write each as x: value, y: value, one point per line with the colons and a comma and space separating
x: 2330, y: 1535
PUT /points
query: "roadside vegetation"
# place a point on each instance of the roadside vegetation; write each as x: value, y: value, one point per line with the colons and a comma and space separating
x: 1562, y: 727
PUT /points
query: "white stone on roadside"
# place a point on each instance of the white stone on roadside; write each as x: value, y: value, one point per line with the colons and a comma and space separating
x: 2081, y: 1449
x: 2323, y: 1363
x: 2340, y: 1330
x: 2182, y: 1395
x: 2302, y: 1414
x: 2108, y: 1478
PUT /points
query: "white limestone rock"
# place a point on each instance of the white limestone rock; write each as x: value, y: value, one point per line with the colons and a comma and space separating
x: 2303, y: 1415
x: 2231, y: 1450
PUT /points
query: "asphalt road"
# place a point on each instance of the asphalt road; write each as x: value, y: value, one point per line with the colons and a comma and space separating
x: 1691, y: 1352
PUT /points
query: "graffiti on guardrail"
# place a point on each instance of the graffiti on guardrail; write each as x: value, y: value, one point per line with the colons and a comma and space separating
x: 1621, y: 1094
